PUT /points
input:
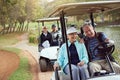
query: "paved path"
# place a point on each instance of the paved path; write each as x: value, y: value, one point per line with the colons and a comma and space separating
x: 23, y: 44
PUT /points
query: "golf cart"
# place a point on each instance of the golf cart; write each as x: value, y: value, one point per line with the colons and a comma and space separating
x: 82, y: 8
x: 48, y: 55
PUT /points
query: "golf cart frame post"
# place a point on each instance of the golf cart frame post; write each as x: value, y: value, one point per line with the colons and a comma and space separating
x: 82, y: 8
x: 63, y: 27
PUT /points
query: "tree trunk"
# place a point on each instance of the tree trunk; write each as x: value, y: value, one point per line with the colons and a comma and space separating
x: 22, y: 28
x: 26, y: 27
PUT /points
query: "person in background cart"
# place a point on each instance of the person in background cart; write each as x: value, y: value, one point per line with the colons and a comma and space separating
x: 55, y: 35
x: 45, y: 38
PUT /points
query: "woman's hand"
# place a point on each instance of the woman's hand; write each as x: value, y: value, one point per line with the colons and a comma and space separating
x: 81, y: 63
x: 81, y: 40
x: 56, y: 65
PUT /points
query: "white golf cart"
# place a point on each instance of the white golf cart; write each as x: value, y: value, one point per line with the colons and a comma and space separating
x: 47, y: 56
x: 82, y: 8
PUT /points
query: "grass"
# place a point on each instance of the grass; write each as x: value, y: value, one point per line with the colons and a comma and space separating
x: 13, y: 50
x: 9, y: 39
x: 23, y: 71
x: 116, y: 55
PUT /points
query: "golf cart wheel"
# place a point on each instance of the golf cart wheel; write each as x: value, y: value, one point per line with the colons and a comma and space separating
x: 43, y: 65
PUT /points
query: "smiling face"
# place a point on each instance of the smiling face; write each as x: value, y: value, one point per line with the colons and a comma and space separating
x: 44, y: 30
x: 89, y: 31
x: 72, y: 37
x: 54, y: 29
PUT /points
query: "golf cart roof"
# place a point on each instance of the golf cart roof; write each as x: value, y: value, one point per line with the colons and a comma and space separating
x: 81, y: 8
x: 48, y: 19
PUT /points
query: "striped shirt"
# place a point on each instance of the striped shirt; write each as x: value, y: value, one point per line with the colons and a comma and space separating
x: 93, y: 42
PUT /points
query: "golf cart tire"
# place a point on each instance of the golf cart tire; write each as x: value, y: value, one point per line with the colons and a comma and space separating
x: 43, y: 65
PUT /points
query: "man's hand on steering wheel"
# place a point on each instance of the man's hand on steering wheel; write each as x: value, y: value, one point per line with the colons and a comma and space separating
x: 105, y: 47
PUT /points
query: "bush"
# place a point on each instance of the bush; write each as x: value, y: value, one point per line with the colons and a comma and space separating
x: 32, y: 39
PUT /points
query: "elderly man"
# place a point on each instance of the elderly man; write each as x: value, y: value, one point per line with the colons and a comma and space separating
x: 97, y: 61
x: 78, y: 57
x: 45, y: 37
x: 55, y: 35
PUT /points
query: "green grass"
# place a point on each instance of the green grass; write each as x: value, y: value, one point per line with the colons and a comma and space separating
x: 22, y: 73
x: 13, y: 50
x: 116, y: 55
x: 9, y: 39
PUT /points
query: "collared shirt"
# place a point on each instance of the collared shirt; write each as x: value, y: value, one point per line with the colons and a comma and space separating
x: 44, y: 37
x: 73, y: 54
x: 45, y: 34
x: 93, y: 42
x: 55, y: 35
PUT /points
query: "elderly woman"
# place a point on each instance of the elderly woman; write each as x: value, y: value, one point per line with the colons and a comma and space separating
x: 78, y: 57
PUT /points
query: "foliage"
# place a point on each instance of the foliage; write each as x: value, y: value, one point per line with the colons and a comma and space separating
x: 33, y: 36
x: 18, y: 11
x: 33, y: 10
x: 116, y: 55
x: 32, y: 39
x: 13, y: 12
x: 50, y: 6
x: 113, y: 15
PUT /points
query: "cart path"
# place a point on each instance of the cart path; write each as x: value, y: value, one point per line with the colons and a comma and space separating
x: 33, y: 55
x: 9, y: 62
x: 23, y: 45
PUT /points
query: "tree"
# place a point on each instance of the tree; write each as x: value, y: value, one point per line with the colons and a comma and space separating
x: 13, y: 12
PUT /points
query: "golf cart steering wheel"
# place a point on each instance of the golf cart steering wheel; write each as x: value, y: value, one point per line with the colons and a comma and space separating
x: 106, y: 47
